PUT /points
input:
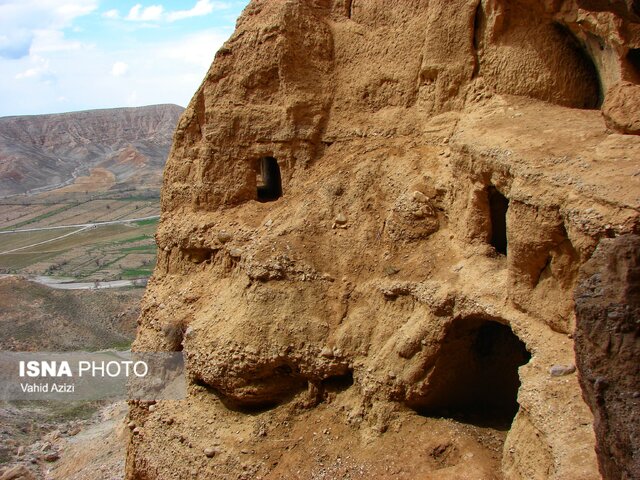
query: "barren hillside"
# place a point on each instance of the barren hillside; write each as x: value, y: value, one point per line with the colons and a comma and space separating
x: 125, y: 145
x: 38, y: 318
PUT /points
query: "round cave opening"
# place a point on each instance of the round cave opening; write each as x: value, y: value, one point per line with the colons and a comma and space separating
x: 633, y: 60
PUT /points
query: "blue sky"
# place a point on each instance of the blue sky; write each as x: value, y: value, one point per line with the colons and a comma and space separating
x: 67, y: 55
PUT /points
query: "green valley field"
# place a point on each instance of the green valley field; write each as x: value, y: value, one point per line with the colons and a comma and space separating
x: 93, y: 238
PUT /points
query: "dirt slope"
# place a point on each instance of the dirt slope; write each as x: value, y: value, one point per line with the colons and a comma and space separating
x: 36, y: 434
x: 38, y: 318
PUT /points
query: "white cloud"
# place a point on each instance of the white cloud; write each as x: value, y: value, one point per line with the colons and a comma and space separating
x: 52, y: 41
x: 166, y: 71
x: 201, y: 8
x: 112, y: 14
x: 132, y: 99
x: 21, y: 21
x: 29, y: 73
x: 156, y: 13
x: 16, y: 44
x: 52, y: 72
x: 138, y: 13
x: 40, y: 71
x: 119, y: 69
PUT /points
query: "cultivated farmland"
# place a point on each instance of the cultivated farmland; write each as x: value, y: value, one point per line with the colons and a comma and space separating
x: 65, y: 235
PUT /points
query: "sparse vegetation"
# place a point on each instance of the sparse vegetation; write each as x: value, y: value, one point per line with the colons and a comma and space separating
x: 140, y: 248
x: 149, y: 221
x: 39, y: 218
x: 136, y: 272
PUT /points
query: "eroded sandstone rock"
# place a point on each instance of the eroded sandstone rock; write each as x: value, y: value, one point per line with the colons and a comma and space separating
x: 457, y: 152
x: 621, y: 110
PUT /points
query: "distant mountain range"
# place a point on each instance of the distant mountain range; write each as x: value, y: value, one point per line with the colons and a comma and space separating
x: 93, y: 149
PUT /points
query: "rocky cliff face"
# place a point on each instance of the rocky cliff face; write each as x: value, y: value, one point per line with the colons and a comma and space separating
x: 44, y: 152
x: 607, y: 349
x: 405, y: 308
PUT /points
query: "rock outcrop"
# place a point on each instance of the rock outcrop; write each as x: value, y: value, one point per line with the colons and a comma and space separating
x: 607, y: 348
x: 621, y: 110
x: 374, y: 218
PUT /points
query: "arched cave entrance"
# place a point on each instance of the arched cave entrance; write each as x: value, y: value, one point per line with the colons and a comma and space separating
x: 593, y: 94
x: 269, y: 180
x: 498, y: 206
x: 475, y: 376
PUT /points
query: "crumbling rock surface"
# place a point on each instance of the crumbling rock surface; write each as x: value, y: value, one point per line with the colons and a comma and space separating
x: 607, y: 349
x: 444, y: 174
x: 621, y: 110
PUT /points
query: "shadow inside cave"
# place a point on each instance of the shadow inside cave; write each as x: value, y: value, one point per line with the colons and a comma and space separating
x: 269, y: 180
x: 475, y: 377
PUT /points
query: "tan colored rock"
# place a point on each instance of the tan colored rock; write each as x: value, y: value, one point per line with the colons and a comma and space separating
x: 51, y: 457
x: 621, y: 109
x: 18, y: 472
x: 461, y: 143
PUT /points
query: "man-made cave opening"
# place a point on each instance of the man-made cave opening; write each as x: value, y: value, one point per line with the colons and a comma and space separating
x: 498, y: 206
x: 269, y: 180
x: 593, y: 90
x: 475, y: 376
x: 633, y: 59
